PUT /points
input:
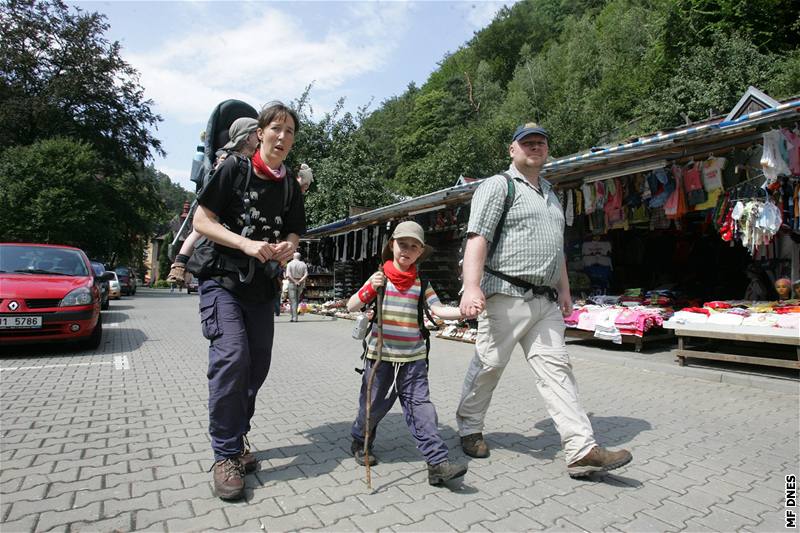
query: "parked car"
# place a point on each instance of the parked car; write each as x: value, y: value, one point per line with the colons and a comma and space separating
x: 99, y: 269
x: 48, y: 293
x: 192, y: 285
x: 114, y: 290
x: 127, y: 280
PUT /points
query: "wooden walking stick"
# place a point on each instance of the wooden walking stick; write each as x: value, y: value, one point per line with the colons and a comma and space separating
x: 371, y: 378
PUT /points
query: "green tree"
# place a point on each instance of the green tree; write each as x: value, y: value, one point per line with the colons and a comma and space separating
x: 164, y: 260
x: 58, y: 73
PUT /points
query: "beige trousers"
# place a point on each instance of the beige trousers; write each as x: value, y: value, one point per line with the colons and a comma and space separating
x: 537, y: 325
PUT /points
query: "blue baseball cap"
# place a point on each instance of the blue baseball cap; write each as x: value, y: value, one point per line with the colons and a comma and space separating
x: 529, y: 129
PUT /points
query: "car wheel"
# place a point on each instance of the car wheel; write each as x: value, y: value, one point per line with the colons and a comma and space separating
x: 96, y: 337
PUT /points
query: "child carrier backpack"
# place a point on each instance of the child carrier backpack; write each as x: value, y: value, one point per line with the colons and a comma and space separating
x: 216, y: 136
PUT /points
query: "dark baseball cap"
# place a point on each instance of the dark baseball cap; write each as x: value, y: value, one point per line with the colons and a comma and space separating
x: 529, y: 129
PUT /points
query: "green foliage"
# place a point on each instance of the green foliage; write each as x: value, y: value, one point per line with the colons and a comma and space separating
x: 161, y: 284
x: 592, y: 71
x: 164, y: 260
x: 58, y: 73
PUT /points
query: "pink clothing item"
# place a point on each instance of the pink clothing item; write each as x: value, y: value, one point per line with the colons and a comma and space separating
x: 793, y: 146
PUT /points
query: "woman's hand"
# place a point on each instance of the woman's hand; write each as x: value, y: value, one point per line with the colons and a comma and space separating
x: 282, y: 251
x: 259, y: 249
x: 377, y: 280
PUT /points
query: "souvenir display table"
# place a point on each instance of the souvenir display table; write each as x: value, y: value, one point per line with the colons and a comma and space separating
x: 762, y: 326
x: 621, y: 324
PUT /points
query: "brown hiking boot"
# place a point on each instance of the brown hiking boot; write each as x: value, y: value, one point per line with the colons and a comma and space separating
x: 438, y: 474
x: 246, y: 458
x: 598, y: 460
x: 474, y: 446
x: 357, y: 449
x: 248, y: 461
x: 176, y: 273
x: 229, y: 479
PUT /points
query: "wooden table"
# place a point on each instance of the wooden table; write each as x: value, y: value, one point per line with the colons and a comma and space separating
x: 652, y: 335
x: 752, y: 334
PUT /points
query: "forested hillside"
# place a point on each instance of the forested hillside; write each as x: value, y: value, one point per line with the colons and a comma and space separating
x: 591, y: 71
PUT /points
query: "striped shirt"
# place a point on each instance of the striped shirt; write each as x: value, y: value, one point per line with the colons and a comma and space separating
x: 531, y: 243
x: 402, y: 339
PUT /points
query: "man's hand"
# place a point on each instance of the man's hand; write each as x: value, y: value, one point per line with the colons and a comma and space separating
x: 258, y: 249
x: 473, y: 302
x: 282, y: 251
x: 565, y: 303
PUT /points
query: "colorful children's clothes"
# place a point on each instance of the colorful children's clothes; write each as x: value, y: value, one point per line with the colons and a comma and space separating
x: 402, y: 340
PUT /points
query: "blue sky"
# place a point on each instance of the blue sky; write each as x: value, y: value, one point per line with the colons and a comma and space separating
x: 192, y: 54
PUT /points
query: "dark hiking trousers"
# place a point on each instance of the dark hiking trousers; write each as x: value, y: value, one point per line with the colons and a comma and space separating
x: 415, y: 399
x: 238, y: 362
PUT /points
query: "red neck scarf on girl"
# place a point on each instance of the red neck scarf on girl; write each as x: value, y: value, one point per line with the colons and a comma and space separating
x: 264, y: 170
x: 402, y: 280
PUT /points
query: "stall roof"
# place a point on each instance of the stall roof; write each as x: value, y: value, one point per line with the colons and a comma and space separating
x: 632, y: 157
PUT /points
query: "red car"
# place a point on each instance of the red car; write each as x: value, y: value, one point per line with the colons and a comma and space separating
x: 48, y: 293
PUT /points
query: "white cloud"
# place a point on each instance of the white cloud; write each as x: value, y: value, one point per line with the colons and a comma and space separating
x: 267, y: 54
x: 481, y: 12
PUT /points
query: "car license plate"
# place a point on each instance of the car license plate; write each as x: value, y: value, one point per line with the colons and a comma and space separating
x: 17, y: 322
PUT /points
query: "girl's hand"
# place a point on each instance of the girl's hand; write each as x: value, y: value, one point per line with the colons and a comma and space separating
x: 377, y: 280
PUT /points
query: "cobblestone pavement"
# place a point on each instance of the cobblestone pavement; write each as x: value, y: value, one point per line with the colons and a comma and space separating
x: 115, y: 440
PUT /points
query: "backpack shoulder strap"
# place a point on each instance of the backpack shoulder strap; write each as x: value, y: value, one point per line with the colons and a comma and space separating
x: 422, y: 312
x: 288, y: 192
x: 509, y: 201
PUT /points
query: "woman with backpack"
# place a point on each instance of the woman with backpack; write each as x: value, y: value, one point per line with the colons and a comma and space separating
x: 252, y: 212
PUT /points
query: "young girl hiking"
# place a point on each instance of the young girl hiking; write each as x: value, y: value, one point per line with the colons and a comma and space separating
x: 403, y: 372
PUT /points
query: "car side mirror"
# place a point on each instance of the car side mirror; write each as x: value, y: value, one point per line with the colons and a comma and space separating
x: 105, y: 276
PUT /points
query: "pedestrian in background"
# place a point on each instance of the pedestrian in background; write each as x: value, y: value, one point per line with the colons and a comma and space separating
x: 296, y: 274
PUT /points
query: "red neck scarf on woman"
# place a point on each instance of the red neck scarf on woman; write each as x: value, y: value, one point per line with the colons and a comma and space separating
x: 263, y: 169
x: 402, y: 280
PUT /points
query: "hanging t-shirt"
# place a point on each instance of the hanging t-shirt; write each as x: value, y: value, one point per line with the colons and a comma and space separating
x: 693, y: 185
x: 793, y: 147
x: 712, y: 173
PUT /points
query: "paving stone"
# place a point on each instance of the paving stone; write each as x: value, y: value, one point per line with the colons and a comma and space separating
x: 387, y: 517
x: 50, y: 519
x: 463, y: 518
x: 144, y: 519
x: 331, y: 513
x: 118, y: 524
x: 645, y: 522
x: 24, y: 507
x: 149, y: 501
x: 674, y: 513
x: 85, y: 497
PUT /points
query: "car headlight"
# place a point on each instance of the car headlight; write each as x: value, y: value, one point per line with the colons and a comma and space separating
x: 80, y: 296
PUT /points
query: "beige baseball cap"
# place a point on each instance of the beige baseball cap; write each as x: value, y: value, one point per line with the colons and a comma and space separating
x: 409, y: 228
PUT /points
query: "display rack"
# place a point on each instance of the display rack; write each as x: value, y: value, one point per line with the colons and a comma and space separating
x: 319, y: 286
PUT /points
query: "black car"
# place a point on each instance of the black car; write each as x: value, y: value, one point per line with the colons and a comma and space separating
x: 127, y: 280
x: 99, y: 270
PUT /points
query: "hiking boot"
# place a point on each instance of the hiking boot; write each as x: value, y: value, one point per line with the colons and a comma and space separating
x: 598, y: 460
x: 248, y: 461
x: 246, y: 458
x: 357, y: 449
x: 474, y: 446
x: 438, y: 474
x: 229, y: 479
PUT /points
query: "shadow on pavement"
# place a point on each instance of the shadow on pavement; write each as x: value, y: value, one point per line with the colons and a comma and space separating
x: 117, y: 307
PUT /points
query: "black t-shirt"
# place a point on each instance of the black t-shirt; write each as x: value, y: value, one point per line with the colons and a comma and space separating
x: 267, y: 219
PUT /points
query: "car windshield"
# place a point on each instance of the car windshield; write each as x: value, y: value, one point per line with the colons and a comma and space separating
x: 98, y: 268
x: 42, y: 260
x: 122, y: 271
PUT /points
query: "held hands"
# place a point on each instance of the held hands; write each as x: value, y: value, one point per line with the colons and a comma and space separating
x: 473, y: 302
x: 377, y: 280
x: 264, y: 251
x: 282, y: 251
